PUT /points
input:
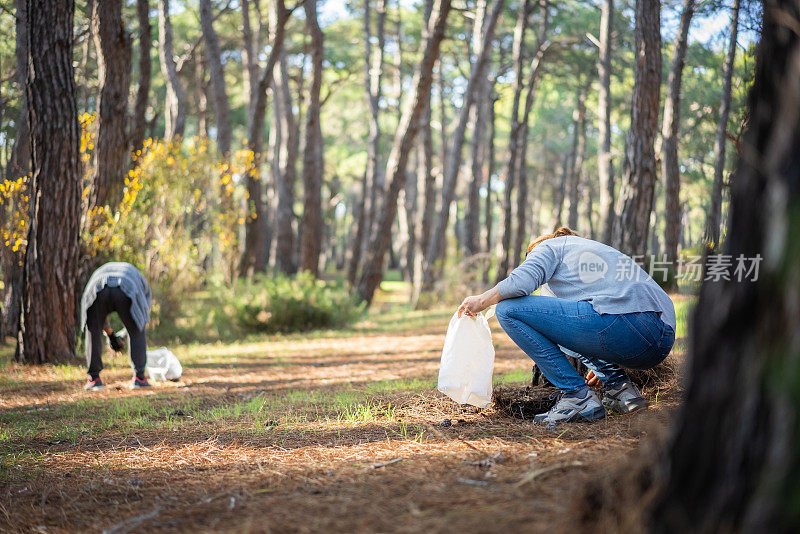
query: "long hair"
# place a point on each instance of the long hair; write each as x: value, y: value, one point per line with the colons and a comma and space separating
x: 561, y: 231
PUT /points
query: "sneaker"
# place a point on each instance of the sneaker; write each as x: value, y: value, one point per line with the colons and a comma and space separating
x: 139, y: 383
x: 624, y: 398
x: 94, y: 385
x: 583, y: 405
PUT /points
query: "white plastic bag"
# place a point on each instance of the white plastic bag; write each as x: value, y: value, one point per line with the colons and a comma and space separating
x: 465, y: 374
x: 163, y: 365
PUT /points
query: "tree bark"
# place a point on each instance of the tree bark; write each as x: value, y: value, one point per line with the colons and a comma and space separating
x: 669, y: 132
x: 476, y: 144
x: 175, y: 109
x: 577, y: 164
x: 720, y: 140
x: 48, y: 307
x: 217, y: 73
x: 523, y: 209
x: 254, y: 256
x: 114, y: 71
x: 489, y: 205
x: 139, y: 119
x: 373, y: 71
x: 436, y: 243
x: 639, y: 169
x: 19, y: 165
x: 732, y: 463
x: 513, y: 139
x: 604, y: 161
x: 287, y: 175
x: 313, y: 167
x: 398, y: 158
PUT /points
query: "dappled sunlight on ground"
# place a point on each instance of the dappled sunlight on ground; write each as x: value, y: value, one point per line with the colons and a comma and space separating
x: 337, y: 431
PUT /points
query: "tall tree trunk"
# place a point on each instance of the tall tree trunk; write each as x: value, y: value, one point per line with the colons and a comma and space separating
x: 214, y: 58
x: 577, y: 165
x: 18, y: 165
x: 313, y: 168
x: 426, y: 187
x: 373, y: 73
x: 114, y: 70
x: 522, y: 169
x: 175, y: 109
x: 488, y: 216
x: 139, y: 119
x: 604, y: 162
x: 560, y: 189
x: 451, y: 171
x: 287, y: 176
x: 733, y: 464
x: 715, y: 211
x: 20, y: 162
x: 256, y: 249
x: 48, y: 307
x: 513, y: 138
x: 401, y: 148
x: 639, y: 169
x: 669, y: 132
x: 476, y: 144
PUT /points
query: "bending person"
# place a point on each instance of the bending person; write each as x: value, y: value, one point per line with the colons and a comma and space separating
x: 606, y: 309
x: 116, y: 287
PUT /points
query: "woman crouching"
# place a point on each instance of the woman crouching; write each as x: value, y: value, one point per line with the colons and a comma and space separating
x: 606, y: 309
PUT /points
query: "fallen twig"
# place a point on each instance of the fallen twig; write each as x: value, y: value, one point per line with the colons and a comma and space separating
x: 530, y: 475
x: 131, y: 523
x: 473, y: 482
x: 390, y: 462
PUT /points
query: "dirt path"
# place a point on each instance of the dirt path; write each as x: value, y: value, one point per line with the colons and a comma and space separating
x: 334, y: 433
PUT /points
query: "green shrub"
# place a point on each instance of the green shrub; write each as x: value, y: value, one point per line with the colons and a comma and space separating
x: 301, y: 303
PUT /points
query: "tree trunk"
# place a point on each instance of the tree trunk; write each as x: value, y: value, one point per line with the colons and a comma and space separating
x: 523, y: 210
x: 373, y: 71
x: 715, y: 212
x: 254, y: 255
x: 114, y: 71
x: 639, y: 169
x: 175, y: 109
x: 313, y: 168
x: 401, y: 148
x: 436, y: 243
x: 669, y: 132
x: 604, y: 163
x: 426, y: 186
x: 214, y: 58
x: 577, y: 164
x: 287, y: 175
x: 18, y: 165
x: 488, y: 208
x: 139, y: 119
x: 476, y: 145
x: 48, y: 307
x: 732, y: 464
x: 20, y: 162
x: 513, y: 138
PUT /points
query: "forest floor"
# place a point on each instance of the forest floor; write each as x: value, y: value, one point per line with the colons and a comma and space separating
x: 329, y: 431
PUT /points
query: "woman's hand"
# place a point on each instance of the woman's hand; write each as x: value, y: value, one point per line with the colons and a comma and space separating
x: 471, y: 306
x: 592, y: 381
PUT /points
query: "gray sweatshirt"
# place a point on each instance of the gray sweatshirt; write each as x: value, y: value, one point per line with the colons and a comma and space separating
x: 129, y: 280
x: 576, y: 269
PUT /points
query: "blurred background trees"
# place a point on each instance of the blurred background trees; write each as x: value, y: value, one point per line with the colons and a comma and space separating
x: 236, y: 139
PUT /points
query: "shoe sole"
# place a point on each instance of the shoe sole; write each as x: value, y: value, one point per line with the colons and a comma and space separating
x: 96, y: 388
x: 627, y: 407
x: 587, y: 416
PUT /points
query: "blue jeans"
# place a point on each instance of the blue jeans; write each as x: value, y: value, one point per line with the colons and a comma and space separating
x: 603, y: 342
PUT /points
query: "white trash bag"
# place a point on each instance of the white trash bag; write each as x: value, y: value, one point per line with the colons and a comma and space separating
x: 465, y: 374
x: 162, y: 365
